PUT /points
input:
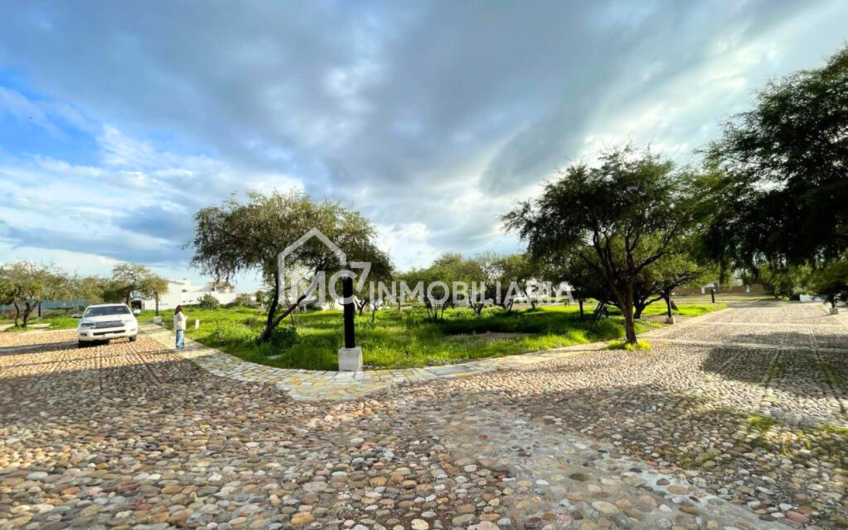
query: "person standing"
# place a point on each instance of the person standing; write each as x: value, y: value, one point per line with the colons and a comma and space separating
x: 180, y: 326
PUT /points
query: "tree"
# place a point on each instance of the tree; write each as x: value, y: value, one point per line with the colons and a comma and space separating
x: 244, y: 300
x: 27, y: 284
x: 779, y: 280
x: 776, y: 186
x: 130, y: 279
x: 250, y: 235
x: 442, y: 281
x: 830, y: 282
x: 520, y: 270
x: 368, y: 294
x: 88, y: 289
x: 208, y: 301
x: 619, y: 217
x: 582, y: 278
x: 670, y: 272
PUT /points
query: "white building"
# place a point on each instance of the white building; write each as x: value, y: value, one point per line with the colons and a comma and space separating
x: 182, y: 292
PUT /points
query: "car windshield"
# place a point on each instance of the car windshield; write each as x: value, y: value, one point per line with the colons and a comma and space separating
x: 107, y: 310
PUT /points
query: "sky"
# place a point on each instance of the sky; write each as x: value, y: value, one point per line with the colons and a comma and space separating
x: 119, y: 120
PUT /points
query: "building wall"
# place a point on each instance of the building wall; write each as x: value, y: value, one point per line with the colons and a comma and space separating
x: 182, y: 292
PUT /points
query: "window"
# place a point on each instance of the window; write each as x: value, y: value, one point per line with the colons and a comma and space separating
x: 102, y: 311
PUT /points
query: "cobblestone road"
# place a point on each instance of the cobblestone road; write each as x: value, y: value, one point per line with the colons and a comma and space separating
x: 735, y: 420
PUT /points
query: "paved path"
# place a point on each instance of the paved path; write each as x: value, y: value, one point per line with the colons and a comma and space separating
x: 131, y: 435
x: 321, y: 385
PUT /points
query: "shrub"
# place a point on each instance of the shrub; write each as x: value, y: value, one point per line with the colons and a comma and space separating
x: 207, y: 301
x: 244, y: 300
x: 227, y: 332
x: 283, y: 338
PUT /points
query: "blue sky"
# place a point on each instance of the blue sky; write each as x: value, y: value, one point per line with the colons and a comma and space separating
x: 119, y: 120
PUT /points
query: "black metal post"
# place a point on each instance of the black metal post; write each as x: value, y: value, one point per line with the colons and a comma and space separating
x: 347, y: 292
x: 712, y: 293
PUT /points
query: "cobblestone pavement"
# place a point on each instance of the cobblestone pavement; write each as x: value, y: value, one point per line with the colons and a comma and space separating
x: 747, y: 431
x: 321, y: 385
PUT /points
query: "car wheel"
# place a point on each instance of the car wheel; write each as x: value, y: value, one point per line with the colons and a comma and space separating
x: 81, y: 344
x: 134, y: 338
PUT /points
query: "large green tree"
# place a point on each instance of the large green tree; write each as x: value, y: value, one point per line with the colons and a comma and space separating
x: 25, y: 284
x: 776, y: 190
x: 250, y: 235
x: 620, y: 217
x: 130, y: 279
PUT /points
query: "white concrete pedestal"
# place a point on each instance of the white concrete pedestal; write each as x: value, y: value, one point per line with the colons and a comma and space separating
x: 669, y: 320
x: 157, y: 321
x: 350, y: 360
x: 834, y: 310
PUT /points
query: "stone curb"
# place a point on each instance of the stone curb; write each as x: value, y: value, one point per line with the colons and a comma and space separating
x: 327, y: 385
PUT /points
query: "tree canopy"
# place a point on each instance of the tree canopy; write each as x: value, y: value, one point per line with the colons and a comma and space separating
x: 776, y: 188
x: 249, y: 236
x: 619, y: 217
x: 130, y: 279
x: 25, y: 284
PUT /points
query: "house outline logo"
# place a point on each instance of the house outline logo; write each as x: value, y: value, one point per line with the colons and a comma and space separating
x: 314, y: 232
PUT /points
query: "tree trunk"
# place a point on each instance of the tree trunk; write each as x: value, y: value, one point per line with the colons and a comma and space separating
x: 627, y: 309
x: 157, y: 304
x: 273, y: 323
x: 27, y: 312
x: 580, y: 302
x: 637, y: 313
x: 629, y: 326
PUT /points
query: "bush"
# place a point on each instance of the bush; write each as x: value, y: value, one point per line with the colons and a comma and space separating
x: 245, y: 300
x: 227, y: 332
x: 283, y: 338
x: 207, y: 301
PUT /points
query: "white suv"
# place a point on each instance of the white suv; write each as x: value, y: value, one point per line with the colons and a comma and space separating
x: 103, y: 322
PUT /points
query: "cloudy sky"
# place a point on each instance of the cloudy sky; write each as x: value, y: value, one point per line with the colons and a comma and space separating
x: 120, y: 119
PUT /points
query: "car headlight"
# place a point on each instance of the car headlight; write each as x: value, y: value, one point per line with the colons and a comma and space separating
x: 86, y: 324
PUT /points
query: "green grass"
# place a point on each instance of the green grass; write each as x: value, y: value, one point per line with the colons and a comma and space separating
x: 686, y: 310
x: 835, y: 429
x: 403, y: 339
x: 641, y: 345
x: 55, y: 321
x: 761, y: 424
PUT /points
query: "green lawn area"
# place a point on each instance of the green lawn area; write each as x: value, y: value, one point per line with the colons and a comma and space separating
x: 55, y: 321
x: 407, y: 339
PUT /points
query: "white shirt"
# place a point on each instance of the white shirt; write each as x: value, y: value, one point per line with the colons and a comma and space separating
x: 179, y: 321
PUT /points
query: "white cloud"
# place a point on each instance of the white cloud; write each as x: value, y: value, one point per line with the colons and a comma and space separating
x: 431, y: 119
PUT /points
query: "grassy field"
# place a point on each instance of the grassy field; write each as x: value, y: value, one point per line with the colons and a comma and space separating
x: 407, y: 339
x: 55, y: 321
